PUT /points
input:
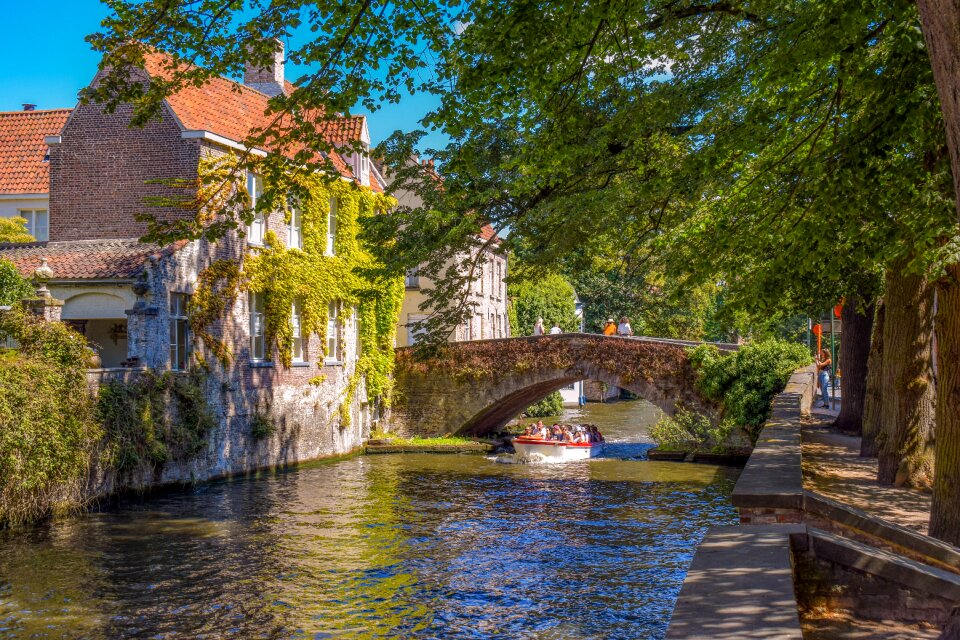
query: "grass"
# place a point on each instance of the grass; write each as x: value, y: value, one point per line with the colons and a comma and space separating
x: 448, y: 440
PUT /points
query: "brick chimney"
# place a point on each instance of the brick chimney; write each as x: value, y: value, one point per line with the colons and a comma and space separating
x: 269, y: 79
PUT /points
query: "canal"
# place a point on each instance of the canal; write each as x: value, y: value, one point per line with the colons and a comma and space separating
x: 386, y: 546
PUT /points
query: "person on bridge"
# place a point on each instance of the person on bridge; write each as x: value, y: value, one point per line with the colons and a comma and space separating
x: 624, y: 329
x: 824, y: 369
x: 610, y: 328
x: 555, y: 329
x: 538, y: 328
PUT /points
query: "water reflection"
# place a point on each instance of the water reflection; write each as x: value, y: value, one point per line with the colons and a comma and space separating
x: 416, y: 546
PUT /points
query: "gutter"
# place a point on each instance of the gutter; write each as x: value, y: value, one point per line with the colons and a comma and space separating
x: 209, y: 136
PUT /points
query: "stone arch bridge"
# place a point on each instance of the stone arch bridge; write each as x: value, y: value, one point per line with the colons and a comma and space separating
x: 473, y: 388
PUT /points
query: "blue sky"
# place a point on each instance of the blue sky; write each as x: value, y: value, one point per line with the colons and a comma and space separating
x: 45, y: 60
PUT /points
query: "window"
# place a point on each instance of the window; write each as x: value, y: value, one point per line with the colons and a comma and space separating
x: 258, y: 227
x: 416, y: 328
x: 332, y: 228
x: 258, y: 350
x: 296, y: 325
x: 356, y: 328
x: 179, y: 332
x: 468, y: 329
x: 295, y: 237
x: 38, y: 224
x: 333, y: 332
x: 481, y: 278
x: 412, y: 280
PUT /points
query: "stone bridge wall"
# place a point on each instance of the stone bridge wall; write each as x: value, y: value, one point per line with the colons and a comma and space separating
x: 477, y: 387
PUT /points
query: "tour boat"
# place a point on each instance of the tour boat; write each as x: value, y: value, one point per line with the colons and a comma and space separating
x: 556, y: 451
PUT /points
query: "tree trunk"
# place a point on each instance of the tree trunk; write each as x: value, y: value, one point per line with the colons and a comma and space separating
x: 873, y: 402
x: 945, y: 511
x: 856, y: 325
x: 941, y: 29
x: 906, y: 441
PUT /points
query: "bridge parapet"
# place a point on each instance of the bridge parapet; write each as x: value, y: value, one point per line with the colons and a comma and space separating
x: 477, y: 387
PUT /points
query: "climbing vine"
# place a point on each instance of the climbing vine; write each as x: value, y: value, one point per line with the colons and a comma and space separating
x: 311, y: 277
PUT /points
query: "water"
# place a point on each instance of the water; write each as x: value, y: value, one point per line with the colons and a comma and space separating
x: 405, y: 546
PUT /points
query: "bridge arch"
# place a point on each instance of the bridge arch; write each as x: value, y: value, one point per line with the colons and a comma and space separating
x: 473, y: 388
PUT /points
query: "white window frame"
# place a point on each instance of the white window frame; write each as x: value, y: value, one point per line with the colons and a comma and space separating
x: 355, y: 316
x: 333, y: 333
x: 179, y: 331
x: 30, y: 215
x: 295, y: 229
x: 331, y: 249
x: 258, y: 338
x: 411, y: 279
x: 257, y: 229
x: 415, y: 327
x: 297, y: 346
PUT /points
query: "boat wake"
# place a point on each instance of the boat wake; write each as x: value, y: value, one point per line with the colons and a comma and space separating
x: 529, y: 458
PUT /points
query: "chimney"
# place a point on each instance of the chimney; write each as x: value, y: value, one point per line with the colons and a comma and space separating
x: 29, y: 106
x: 269, y: 79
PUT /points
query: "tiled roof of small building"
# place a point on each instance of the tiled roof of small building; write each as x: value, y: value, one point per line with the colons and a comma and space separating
x: 234, y: 110
x: 22, y: 149
x: 487, y: 232
x: 86, y: 259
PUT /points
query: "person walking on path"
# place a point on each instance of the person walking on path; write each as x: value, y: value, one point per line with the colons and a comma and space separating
x: 555, y: 329
x: 824, y: 369
x: 610, y: 328
x: 624, y: 329
x: 538, y: 328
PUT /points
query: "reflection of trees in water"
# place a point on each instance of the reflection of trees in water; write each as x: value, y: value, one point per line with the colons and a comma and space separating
x: 392, y: 546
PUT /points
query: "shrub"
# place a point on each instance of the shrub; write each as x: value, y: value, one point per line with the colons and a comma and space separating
x: 745, y: 382
x: 549, y: 297
x: 141, y: 431
x: 261, y: 427
x: 48, y: 435
x: 13, y: 286
x: 690, y: 431
x: 552, y: 405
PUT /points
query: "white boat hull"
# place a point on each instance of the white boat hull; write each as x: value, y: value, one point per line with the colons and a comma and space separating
x: 552, y: 451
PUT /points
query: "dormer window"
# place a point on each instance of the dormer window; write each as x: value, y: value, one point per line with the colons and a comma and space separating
x: 258, y: 227
x: 332, y: 228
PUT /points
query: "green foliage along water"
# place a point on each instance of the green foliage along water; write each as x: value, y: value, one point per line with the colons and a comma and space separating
x: 552, y: 405
x: 743, y: 383
x: 47, y: 431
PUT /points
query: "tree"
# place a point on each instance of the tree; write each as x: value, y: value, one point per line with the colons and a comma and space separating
x: 13, y: 286
x: 14, y: 230
x: 940, y: 19
x: 907, y: 423
x: 873, y: 397
x: 857, y: 322
x: 549, y: 297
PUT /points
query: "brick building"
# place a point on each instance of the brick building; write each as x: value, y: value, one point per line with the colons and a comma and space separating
x: 131, y: 299
x: 486, y: 294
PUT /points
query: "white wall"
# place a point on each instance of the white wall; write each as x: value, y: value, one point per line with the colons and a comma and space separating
x: 9, y: 208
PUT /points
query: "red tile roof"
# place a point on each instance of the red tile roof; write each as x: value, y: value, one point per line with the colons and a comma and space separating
x: 487, y: 232
x: 22, y: 149
x: 86, y: 259
x: 234, y: 110
x: 343, y: 130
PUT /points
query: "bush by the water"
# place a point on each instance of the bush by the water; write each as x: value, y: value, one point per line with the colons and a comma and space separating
x: 745, y: 382
x: 552, y: 405
x: 690, y: 431
x: 48, y: 434
x: 158, y: 417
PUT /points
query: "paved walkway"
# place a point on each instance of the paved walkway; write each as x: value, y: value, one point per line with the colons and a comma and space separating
x: 832, y: 466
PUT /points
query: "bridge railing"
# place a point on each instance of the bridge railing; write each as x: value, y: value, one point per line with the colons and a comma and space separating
x: 723, y: 346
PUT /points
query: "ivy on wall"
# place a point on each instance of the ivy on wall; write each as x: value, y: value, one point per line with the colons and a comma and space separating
x: 312, y: 277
